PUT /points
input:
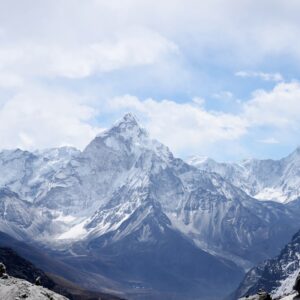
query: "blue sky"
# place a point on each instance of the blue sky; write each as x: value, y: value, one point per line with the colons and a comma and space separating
x: 211, y: 78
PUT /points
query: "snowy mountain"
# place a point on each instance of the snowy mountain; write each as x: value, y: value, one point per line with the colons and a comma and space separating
x: 124, y: 206
x: 20, y: 218
x: 276, y: 275
x: 157, y: 260
x: 277, y: 180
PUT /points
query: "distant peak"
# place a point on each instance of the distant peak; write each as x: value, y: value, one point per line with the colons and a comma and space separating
x: 128, y: 127
x: 198, y: 159
x: 128, y: 118
x: 295, y: 153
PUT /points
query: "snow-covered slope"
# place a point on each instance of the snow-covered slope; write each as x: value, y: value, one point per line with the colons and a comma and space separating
x: 277, y: 275
x: 80, y: 195
x: 31, y: 175
x: 277, y: 180
x: 13, y: 288
x: 292, y: 296
x: 20, y: 218
x: 127, y: 191
x: 150, y: 255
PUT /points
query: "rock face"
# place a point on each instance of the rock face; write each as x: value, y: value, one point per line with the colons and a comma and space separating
x: 128, y: 210
x: 13, y: 288
x: 277, y: 275
x: 276, y: 180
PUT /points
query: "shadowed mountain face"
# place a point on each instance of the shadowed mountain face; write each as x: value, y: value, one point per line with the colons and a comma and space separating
x: 152, y: 259
x: 144, y: 222
x: 33, y: 261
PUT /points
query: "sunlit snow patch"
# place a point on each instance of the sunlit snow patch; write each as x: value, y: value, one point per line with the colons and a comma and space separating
x: 74, y: 232
x: 271, y: 194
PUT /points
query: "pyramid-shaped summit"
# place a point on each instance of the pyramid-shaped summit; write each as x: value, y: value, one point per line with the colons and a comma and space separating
x: 128, y: 118
x: 124, y: 135
x: 127, y: 127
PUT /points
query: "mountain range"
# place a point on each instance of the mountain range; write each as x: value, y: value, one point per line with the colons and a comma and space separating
x: 137, y: 222
x: 276, y: 180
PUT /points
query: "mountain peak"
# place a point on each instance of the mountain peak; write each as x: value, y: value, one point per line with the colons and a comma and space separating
x: 129, y: 117
x: 297, y: 150
x: 128, y: 127
x: 128, y: 135
x: 200, y: 161
x: 295, y: 155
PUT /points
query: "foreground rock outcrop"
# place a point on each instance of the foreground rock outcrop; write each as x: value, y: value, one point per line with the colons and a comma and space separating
x: 12, y: 288
x: 15, y: 266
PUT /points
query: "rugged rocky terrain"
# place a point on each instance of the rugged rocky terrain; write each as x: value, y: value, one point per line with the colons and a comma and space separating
x: 277, y: 180
x: 13, y: 288
x: 277, y: 275
x: 136, y: 219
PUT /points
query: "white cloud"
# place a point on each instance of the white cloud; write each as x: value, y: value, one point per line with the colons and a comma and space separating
x: 247, y: 30
x: 37, y: 119
x: 269, y: 140
x: 199, y: 101
x: 184, y: 127
x: 79, y: 39
x: 264, y: 76
x: 133, y: 49
x: 126, y: 49
x: 189, y: 127
x: 95, y: 36
x: 223, y: 95
x: 8, y: 80
x: 279, y: 107
x: 101, y: 36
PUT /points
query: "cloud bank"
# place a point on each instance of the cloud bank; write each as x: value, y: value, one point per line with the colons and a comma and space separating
x: 69, y: 68
x: 188, y: 127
